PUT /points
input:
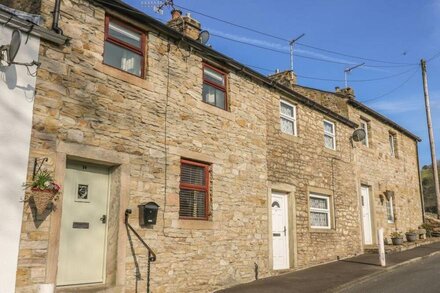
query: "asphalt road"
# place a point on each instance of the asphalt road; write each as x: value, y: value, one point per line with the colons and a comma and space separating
x: 421, y: 277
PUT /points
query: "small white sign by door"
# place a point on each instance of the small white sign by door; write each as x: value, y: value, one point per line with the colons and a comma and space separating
x: 83, y: 225
x: 280, y: 235
x: 366, y: 215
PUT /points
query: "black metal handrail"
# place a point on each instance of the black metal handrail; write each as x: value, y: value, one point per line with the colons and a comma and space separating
x: 151, y: 254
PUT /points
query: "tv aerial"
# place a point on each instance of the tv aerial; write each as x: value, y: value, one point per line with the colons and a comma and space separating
x: 349, y: 70
x: 203, y: 37
x: 8, y: 53
x: 158, y: 6
x: 359, y: 135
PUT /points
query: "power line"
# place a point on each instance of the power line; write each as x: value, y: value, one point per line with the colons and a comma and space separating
x: 433, y: 57
x: 335, y: 80
x: 393, y: 90
x: 286, y: 40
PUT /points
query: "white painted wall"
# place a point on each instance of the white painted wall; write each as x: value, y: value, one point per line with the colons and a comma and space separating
x: 16, y: 103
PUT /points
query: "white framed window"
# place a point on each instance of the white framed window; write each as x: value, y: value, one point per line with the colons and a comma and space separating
x: 288, y: 118
x: 392, y: 140
x: 319, y: 211
x: 329, y: 135
x: 364, y: 126
x: 390, y: 210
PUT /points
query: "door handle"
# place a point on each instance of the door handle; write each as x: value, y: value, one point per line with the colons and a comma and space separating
x: 104, y: 219
x: 284, y: 230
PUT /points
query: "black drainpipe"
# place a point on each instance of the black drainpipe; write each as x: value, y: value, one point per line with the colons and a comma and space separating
x: 56, y: 17
x: 422, y: 198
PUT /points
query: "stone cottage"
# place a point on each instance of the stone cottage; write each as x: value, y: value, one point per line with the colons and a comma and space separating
x: 252, y: 175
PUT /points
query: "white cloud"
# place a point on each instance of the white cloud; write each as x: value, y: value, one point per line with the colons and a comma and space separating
x: 397, y: 107
x: 286, y: 48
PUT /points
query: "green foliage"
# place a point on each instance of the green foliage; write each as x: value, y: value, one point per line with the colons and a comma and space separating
x: 428, y: 189
x: 396, y: 234
x: 43, y: 181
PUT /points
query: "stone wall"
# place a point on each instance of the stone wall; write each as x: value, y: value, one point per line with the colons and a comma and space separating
x: 304, y: 162
x: 80, y: 100
x: 375, y: 167
x: 156, y: 121
x: 336, y: 103
x: 29, y: 6
x: 381, y: 171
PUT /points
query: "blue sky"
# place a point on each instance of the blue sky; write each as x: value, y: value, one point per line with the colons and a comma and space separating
x: 393, y: 30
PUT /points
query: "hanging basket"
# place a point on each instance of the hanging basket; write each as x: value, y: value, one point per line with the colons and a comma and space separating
x: 42, y: 199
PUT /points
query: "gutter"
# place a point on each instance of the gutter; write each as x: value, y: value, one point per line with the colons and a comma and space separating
x: 28, y: 27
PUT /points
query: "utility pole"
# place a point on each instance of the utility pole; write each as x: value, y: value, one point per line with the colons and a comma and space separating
x: 431, y: 135
x: 292, y: 44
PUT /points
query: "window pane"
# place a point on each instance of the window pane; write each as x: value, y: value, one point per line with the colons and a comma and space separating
x: 328, y: 127
x: 319, y: 219
x: 214, y: 76
x: 193, y: 175
x: 124, y: 34
x: 287, y: 110
x: 390, y: 215
x: 192, y: 203
x: 287, y: 126
x: 122, y: 58
x: 318, y: 203
x: 213, y: 96
x: 329, y: 141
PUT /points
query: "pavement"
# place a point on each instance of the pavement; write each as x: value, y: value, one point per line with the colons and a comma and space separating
x: 337, y: 276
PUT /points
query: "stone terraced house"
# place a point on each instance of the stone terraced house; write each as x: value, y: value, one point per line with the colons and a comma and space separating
x: 252, y: 175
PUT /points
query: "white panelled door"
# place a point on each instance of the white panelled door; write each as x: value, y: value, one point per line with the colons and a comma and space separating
x: 366, y: 215
x: 83, y: 225
x: 280, y: 235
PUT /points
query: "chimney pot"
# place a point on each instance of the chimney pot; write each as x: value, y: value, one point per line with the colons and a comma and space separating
x: 186, y: 25
x: 176, y: 13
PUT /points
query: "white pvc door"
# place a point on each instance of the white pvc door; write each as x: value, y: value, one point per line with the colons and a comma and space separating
x: 83, y: 225
x: 280, y: 235
x: 366, y: 215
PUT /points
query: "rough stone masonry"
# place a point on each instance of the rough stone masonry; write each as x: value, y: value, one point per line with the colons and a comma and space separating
x: 85, y: 107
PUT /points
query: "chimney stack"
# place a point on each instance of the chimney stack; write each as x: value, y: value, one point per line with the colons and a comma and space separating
x: 184, y: 24
x: 286, y: 78
x: 348, y: 92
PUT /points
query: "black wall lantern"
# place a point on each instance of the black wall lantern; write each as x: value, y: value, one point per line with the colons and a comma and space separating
x: 148, y: 213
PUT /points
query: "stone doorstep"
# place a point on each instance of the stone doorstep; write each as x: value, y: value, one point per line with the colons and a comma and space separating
x: 399, y: 248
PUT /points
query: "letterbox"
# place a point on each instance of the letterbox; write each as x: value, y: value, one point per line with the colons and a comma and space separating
x: 148, y: 213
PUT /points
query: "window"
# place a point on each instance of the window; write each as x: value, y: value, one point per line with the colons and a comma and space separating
x: 393, y: 150
x: 319, y: 211
x: 329, y: 135
x: 194, y: 190
x: 390, y: 210
x: 288, y: 118
x: 364, y: 126
x: 124, y: 47
x: 214, y: 87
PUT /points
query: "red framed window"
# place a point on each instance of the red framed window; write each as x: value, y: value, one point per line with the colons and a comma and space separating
x: 194, y: 190
x: 124, y: 47
x: 214, y: 87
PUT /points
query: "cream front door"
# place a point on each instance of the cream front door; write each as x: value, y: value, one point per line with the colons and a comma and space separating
x: 82, y: 248
x: 366, y: 215
x: 280, y: 235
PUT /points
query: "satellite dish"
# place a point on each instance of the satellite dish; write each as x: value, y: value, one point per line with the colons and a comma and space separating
x: 203, y: 37
x: 359, y: 134
x: 14, y: 46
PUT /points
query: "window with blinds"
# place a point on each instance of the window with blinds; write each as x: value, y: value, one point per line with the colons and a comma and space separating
x: 194, y: 190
